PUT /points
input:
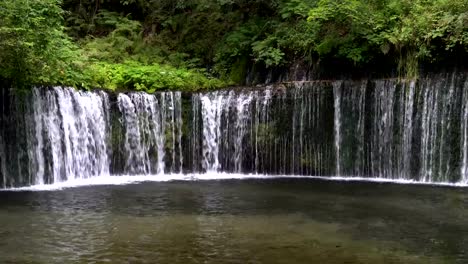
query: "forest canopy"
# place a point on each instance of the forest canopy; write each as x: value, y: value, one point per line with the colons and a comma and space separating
x: 203, y: 44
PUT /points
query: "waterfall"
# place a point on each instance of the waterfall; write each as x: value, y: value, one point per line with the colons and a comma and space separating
x: 464, y: 138
x: 83, y: 126
x: 70, y: 135
x: 441, y: 102
x: 243, y: 114
x: 383, y: 152
x: 263, y: 131
x: 150, y: 122
x: 39, y: 140
x: 388, y: 129
x: 407, y: 103
x: 3, y: 163
x: 383, y: 128
x: 211, y: 115
x: 67, y: 139
x: 337, y: 121
x: 261, y: 117
x: 195, y: 134
x: 135, y: 150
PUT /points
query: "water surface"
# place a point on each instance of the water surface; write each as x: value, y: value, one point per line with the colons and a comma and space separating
x: 236, y: 221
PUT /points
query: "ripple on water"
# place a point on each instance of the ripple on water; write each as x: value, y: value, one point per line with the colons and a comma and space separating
x: 249, y: 221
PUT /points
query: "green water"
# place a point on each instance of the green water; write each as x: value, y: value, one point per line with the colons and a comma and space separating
x: 234, y: 221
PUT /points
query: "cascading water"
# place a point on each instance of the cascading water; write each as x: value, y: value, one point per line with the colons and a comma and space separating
x: 269, y: 131
x: 464, y: 138
x: 211, y: 114
x: 243, y: 114
x: 38, y: 162
x: 407, y: 103
x: 67, y: 139
x: 337, y: 103
x: 383, y: 141
x: 3, y: 162
x: 135, y: 147
x: 384, y: 129
x: 411, y: 130
x: 149, y: 122
x: 70, y: 135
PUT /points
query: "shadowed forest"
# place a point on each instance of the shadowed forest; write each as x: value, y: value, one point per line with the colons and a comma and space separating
x: 206, y: 44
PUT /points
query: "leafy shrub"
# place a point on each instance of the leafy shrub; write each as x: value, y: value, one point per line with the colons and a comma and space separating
x: 133, y: 75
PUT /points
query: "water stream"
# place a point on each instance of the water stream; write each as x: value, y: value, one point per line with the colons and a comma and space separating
x: 409, y: 130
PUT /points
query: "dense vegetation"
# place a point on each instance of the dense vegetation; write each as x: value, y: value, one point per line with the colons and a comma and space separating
x: 176, y: 44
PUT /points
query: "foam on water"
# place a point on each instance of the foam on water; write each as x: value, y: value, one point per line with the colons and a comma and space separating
x: 127, y: 180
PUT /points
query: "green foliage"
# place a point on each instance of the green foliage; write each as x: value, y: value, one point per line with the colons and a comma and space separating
x: 344, y: 28
x: 163, y: 44
x: 33, y: 46
x: 237, y: 45
x: 133, y: 75
x: 124, y: 39
x: 123, y: 60
x: 238, y: 71
x: 414, y: 30
x: 264, y: 51
x: 272, y: 39
x: 35, y: 50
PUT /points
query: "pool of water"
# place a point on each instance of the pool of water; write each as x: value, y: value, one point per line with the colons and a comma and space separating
x: 236, y: 221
